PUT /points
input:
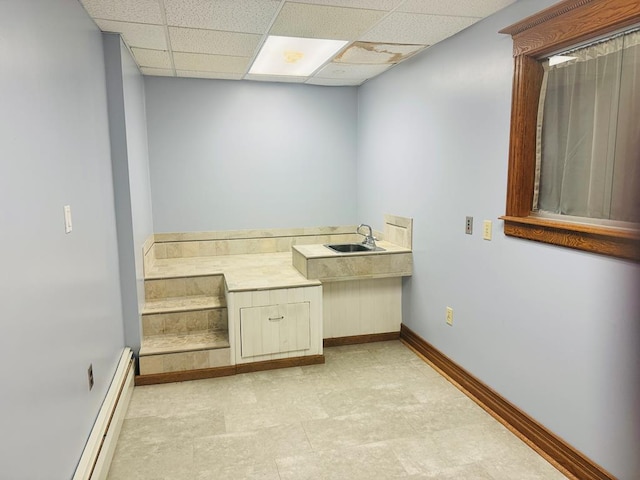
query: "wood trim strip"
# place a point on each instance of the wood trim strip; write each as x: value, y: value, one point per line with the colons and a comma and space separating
x: 543, y: 16
x: 602, y: 230
x: 569, y: 23
x: 280, y: 363
x: 357, y: 339
x: 202, y: 373
x: 535, y: 434
x: 527, y: 82
x: 199, y: 374
x: 619, y: 244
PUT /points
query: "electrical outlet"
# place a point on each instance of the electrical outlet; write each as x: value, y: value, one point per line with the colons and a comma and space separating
x: 90, y: 376
x: 449, y: 316
x: 486, y: 230
x: 468, y: 227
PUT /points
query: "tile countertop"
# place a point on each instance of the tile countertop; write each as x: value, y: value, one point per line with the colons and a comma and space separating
x: 320, y: 251
x: 260, y: 271
x: 263, y: 271
x: 317, y: 262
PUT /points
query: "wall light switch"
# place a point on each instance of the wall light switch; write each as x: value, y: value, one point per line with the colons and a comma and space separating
x: 68, y: 225
x: 486, y: 230
x: 449, y: 316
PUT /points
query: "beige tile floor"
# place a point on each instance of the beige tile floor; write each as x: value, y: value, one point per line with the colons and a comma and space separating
x: 373, y: 411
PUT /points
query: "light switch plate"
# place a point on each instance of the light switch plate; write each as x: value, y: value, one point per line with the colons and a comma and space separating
x: 486, y: 230
x: 68, y: 225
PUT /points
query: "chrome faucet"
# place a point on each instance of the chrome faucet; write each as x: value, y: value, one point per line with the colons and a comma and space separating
x: 369, y: 240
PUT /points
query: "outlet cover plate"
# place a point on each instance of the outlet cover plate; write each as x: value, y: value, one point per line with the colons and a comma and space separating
x: 468, y: 226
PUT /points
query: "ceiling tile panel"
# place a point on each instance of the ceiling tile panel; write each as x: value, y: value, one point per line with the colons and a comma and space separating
x: 386, y: 5
x: 377, y: 53
x: 416, y: 29
x: 462, y: 8
x: 342, y: 70
x: 212, y: 75
x: 137, y: 34
x: 319, y: 21
x: 152, y: 58
x: 249, y: 16
x: 213, y: 42
x: 189, y: 13
x: 210, y: 63
x: 158, y: 72
x: 140, y: 11
x: 335, y: 82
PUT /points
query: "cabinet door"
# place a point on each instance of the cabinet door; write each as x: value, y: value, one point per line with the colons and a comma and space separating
x: 274, y: 329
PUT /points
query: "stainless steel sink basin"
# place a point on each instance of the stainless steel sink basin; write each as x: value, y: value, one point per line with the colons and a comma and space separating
x: 352, y: 248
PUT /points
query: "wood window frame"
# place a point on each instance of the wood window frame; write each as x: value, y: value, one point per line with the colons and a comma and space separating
x: 558, y: 27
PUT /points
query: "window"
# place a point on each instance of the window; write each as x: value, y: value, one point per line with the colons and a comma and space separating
x: 588, y: 133
x: 531, y: 177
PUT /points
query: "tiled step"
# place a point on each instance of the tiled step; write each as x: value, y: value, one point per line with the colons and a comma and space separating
x: 157, y: 289
x: 184, y: 325
x: 184, y: 361
x: 184, y: 322
x: 187, y: 342
x: 182, y: 352
x: 183, y: 304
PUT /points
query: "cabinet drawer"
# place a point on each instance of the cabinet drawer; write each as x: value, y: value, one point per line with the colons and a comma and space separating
x: 274, y: 329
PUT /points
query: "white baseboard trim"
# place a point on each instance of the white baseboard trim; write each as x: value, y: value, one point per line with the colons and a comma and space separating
x: 98, y: 452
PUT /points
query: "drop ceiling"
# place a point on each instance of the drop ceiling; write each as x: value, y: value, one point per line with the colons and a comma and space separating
x: 219, y: 39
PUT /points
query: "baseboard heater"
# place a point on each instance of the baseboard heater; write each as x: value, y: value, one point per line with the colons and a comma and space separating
x: 98, y: 452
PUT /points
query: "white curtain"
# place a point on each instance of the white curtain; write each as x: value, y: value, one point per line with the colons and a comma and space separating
x: 588, y: 151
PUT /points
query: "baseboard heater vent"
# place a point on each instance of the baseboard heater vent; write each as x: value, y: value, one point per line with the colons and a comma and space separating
x: 98, y: 452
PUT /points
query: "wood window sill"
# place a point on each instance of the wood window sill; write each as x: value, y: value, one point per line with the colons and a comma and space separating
x: 616, y: 242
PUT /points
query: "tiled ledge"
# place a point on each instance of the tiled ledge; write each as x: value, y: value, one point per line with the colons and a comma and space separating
x: 240, y: 246
x: 182, y: 304
x: 239, y: 242
x: 241, y: 272
x: 261, y: 259
x: 253, y: 234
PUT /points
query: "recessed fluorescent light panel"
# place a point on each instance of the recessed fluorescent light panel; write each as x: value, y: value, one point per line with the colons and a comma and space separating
x: 293, y: 56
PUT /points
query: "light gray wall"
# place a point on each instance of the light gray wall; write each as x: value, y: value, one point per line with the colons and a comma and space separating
x: 553, y: 330
x: 132, y: 189
x: 234, y: 155
x: 59, y: 293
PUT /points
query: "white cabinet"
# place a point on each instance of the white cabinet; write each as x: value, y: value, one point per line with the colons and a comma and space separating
x: 274, y: 329
x: 275, y: 324
x: 362, y: 307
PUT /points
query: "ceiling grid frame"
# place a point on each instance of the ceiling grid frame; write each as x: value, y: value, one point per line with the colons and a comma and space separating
x: 400, y: 23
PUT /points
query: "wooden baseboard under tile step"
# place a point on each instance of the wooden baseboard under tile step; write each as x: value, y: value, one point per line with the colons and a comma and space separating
x: 555, y: 450
x: 357, y: 339
x: 202, y: 373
